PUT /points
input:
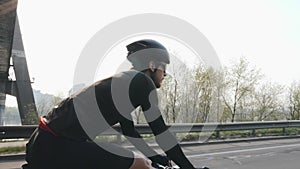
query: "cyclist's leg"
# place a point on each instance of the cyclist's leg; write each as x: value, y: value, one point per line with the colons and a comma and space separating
x: 140, y: 162
x: 89, y: 155
x: 55, y: 152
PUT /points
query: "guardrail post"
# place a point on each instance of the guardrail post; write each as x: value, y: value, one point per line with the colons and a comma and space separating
x: 283, y: 131
x: 217, y: 134
x: 253, y: 133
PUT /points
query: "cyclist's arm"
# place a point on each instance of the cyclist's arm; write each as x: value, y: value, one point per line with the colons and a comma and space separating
x: 165, y: 139
x: 135, y: 138
x: 143, y: 93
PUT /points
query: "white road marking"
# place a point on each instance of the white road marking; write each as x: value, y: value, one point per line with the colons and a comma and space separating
x: 245, y: 150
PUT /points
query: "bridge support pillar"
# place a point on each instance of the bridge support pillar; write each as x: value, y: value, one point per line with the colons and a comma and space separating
x: 12, y: 55
x: 21, y: 87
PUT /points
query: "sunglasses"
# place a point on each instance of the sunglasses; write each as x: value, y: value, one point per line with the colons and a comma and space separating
x: 162, y: 65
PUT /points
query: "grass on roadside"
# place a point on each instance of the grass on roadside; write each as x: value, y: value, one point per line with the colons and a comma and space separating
x: 241, y: 133
x: 11, y: 150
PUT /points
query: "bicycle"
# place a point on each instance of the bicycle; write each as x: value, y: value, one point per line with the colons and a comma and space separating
x: 158, y: 166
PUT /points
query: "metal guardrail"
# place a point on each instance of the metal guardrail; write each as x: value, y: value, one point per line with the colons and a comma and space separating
x: 16, y: 132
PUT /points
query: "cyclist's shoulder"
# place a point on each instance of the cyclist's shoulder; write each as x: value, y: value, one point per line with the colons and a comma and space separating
x: 133, y: 78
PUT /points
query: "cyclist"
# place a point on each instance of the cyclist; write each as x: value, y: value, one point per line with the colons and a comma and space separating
x: 63, y: 141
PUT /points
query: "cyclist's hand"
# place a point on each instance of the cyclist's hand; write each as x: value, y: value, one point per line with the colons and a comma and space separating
x: 163, y: 160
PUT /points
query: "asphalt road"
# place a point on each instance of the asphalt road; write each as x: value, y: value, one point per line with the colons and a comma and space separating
x: 271, y: 154
x: 275, y: 154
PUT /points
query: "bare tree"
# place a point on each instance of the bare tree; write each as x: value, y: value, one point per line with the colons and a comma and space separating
x: 188, y: 95
x: 192, y: 99
x: 294, y: 101
x: 187, y: 101
x: 174, y: 93
x: 203, y: 94
x: 204, y: 79
x: 267, y: 101
x: 163, y: 96
x: 170, y: 96
x: 239, y: 80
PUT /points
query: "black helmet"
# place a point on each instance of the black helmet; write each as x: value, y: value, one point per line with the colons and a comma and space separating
x: 143, y: 51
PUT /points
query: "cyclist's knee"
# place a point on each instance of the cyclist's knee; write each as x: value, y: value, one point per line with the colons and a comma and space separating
x: 141, y: 163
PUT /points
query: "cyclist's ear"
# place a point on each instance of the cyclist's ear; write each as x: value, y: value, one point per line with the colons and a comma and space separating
x: 152, y: 66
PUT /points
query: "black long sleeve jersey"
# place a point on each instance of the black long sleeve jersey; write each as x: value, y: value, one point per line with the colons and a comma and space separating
x: 107, y: 102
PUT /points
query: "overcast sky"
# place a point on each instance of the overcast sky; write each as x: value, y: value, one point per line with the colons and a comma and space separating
x: 266, y: 32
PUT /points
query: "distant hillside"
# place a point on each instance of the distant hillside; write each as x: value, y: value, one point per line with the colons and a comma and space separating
x: 45, y: 102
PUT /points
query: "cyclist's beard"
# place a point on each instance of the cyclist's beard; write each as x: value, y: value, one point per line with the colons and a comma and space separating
x: 152, y: 76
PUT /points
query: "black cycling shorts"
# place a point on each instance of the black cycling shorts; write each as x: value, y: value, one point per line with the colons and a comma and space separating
x: 45, y: 150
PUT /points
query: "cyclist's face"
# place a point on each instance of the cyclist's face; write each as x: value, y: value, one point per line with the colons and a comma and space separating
x: 159, y: 75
